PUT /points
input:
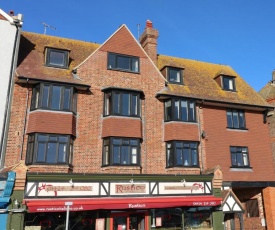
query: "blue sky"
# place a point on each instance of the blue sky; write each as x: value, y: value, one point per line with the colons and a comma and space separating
x: 236, y: 33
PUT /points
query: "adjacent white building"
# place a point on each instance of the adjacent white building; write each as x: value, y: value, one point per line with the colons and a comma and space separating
x: 10, y: 27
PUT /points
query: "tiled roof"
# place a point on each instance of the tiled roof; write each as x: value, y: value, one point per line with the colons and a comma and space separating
x: 268, y: 92
x: 199, y: 82
x: 199, y: 77
x: 31, y: 60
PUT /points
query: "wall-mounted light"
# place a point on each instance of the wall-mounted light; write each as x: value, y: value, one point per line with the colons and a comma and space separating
x: 71, y: 182
x: 183, y: 182
x: 16, y: 203
x: 131, y: 181
x: 203, y: 134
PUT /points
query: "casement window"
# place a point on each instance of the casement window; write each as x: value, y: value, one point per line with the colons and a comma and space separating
x: 180, y: 110
x: 49, y: 149
x: 54, y: 97
x: 57, y: 58
x: 175, y: 75
x: 239, y: 156
x: 121, y: 151
x: 122, y: 103
x: 235, y: 119
x: 228, y: 83
x: 123, y: 62
x: 182, y: 154
x: 252, y: 208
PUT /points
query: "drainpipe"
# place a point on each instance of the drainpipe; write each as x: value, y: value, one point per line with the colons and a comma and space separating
x: 200, y: 134
x: 9, y: 96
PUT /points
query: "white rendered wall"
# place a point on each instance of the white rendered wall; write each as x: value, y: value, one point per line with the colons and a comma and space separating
x: 7, y: 38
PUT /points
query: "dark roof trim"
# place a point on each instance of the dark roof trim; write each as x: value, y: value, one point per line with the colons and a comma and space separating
x: 124, y: 89
x: 115, y: 177
x: 261, y: 184
x: 214, y: 102
x: 22, y: 79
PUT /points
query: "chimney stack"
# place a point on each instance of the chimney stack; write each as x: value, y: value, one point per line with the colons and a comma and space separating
x: 148, y: 41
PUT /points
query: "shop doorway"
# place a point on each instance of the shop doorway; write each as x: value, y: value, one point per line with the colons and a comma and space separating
x: 129, y: 221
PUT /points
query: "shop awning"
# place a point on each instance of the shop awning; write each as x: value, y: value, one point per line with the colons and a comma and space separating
x: 112, y: 203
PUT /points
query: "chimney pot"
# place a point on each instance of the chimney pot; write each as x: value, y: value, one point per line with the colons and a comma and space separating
x: 149, y: 24
x: 11, y: 13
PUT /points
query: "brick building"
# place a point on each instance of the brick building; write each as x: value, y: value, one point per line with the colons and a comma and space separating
x: 10, y: 27
x: 115, y: 136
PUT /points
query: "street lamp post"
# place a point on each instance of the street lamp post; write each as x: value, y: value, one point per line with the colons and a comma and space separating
x: 68, y: 204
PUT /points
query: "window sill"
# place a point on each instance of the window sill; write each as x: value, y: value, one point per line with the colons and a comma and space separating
x: 236, y: 129
x: 127, y: 167
x: 124, y: 70
x: 51, y: 111
x: 236, y: 169
x: 175, y: 121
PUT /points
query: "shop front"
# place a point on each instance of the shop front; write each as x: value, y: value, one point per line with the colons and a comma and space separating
x: 134, y: 204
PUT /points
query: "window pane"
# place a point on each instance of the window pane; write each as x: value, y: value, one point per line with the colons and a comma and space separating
x: 191, y: 113
x: 174, y: 75
x: 41, y: 151
x: 116, y: 155
x: 177, y: 110
x: 168, y: 111
x: 125, y: 155
x: 239, y: 159
x: 194, y: 157
x: 57, y: 58
x: 45, y: 99
x: 56, y: 97
x: 183, y: 110
x: 241, y: 120
x: 62, y: 153
x: 42, y: 138
x: 235, y: 119
x: 116, y: 105
x: 179, y: 157
x: 134, y: 105
x: 135, y: 65
x: 51, y: 153
x: 245, y: 159
x: 111, y: 61
x: 134, y: 155
x: 106, y: 155
x: 125, y: 104
x: 123, y: 63
x: 186, y: 156
x: 67, y: 99
x: 229, y: 119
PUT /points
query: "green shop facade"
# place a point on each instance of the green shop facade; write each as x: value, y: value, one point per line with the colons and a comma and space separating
x: 121, y: 202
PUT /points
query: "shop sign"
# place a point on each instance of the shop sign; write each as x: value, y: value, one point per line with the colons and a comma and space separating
x: 130, y: 188
x: 65, y: 189
x: 184, y: 188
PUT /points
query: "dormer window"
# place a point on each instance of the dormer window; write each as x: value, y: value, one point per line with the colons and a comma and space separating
x: 175, y: 75
x: 228, y: 83
x: 123, y: 62
x: 57, y: 58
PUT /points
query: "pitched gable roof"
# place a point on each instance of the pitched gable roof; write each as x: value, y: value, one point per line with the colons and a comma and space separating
x: 199, y: 82
x: 230, y: 202
x: 123, y: 42
x: 31, y: 60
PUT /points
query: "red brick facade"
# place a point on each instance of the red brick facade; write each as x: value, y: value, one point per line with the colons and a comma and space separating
x: 89, y: 126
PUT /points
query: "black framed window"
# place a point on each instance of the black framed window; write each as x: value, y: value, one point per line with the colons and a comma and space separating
x: 54, y: 97
x: 235, y: 119
x: 182, y: 154
x: 122, y: 103
x: 180, y: 110
x: 239, y: 156
x: 57, y: 58
x: 228, y: 83
x: 123, y: 62
x: 175, y: 75
x: 121, y: 151
x: 49, y: 149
